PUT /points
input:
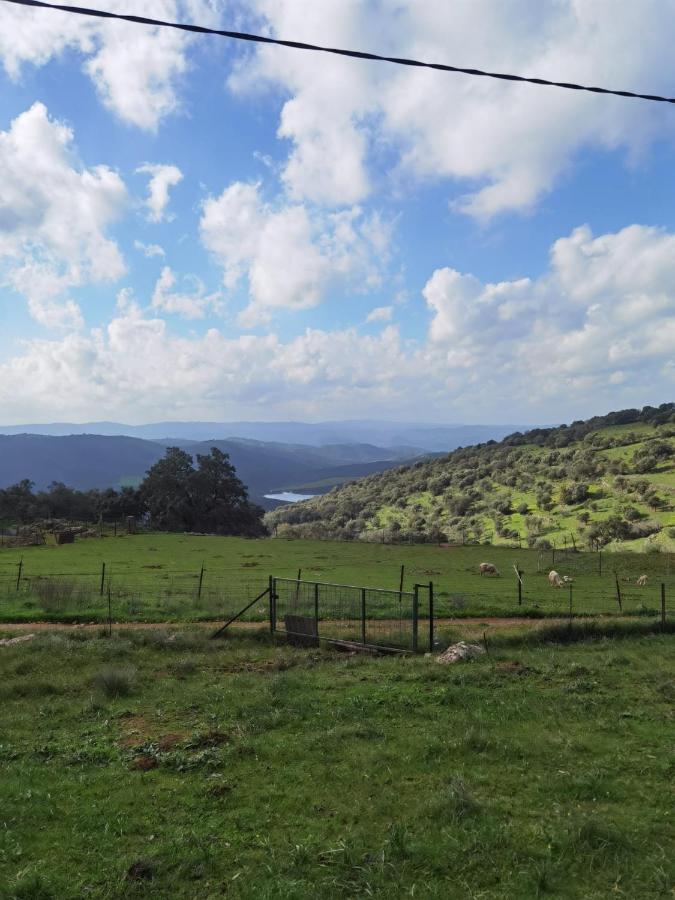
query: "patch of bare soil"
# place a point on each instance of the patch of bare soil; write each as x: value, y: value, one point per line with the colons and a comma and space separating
x: 143, y: 763
x: 513, y: 667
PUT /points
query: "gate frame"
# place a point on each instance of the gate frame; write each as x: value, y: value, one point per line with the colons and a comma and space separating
x: 414, y: 596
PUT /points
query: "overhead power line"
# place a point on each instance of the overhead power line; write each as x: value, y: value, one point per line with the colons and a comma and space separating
x: 337, y: 51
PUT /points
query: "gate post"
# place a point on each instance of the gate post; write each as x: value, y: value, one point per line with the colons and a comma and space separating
x: 316, y: 607
x: 431, y: 617
x: 273, y: 605
x: 415, y: 617
x: 363, y: 615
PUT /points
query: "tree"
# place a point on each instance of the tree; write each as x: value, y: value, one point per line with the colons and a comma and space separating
x: 209, y: 498
x: 166, y: 492
x: 221, y: 498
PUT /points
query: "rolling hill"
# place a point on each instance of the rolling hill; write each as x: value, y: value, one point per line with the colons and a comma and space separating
x: 607, y: 481
x: 426, y: 436
x: 85, y: 461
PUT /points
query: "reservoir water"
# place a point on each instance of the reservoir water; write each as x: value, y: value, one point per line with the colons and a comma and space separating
x: 289, y: 497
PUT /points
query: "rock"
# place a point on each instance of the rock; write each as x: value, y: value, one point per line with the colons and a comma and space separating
x: 5, y: 642
x: 457, y: 652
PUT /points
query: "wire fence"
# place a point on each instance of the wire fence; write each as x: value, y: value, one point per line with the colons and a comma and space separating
x: 588, y: 586
x: 128, y: 596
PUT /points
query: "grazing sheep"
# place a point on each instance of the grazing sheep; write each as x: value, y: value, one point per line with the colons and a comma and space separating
x: 642, y: 581
x: 488, y: 569
x: 554, y: 579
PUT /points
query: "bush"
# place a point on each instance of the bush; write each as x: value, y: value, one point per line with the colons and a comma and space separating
x: 574, y: 493
x: 115, y: 682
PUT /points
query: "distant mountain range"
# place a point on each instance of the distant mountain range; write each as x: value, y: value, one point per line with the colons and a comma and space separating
x: 392, y: 435
x: 85, y: 461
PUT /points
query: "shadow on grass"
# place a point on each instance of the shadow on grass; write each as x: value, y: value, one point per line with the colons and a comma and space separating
x: 576, y: 631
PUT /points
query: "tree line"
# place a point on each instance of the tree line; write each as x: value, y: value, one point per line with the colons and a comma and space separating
x: 177, y: 494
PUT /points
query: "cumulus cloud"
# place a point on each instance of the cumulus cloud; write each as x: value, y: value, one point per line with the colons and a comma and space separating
x: 602, y: 315
x: 162, y: 178
x: 289, y: 254
x: 508, y: 143
x: 189, y: 305
x: 136, y: 70
x: 136, y: 366
x: 149, y: 250
x: 568, y: 341
x: 380, y: 314
x: 54, y: 214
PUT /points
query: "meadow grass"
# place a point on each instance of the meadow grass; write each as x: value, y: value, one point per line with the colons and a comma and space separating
x: 155, y: 577
x: 263, y: 771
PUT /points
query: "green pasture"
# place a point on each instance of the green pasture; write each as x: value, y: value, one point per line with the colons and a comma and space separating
x: 155, y: 764
x: 156, y: 577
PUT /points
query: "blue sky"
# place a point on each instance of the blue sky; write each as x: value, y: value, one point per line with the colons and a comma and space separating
x: 191, y: 228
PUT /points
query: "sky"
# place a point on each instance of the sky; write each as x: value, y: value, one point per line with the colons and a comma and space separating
x: 197, y: 228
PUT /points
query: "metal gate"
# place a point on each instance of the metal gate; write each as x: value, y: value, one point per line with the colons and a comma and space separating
x: 313, y: 611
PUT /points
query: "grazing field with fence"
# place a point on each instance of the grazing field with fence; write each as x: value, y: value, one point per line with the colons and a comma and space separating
x: 177, y: 577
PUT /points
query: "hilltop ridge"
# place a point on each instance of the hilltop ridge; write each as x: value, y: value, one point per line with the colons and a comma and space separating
x: 604, y: 481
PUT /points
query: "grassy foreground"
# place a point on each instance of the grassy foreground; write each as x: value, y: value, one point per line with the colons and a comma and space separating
x: 155, y: 577
x: 157, y: 764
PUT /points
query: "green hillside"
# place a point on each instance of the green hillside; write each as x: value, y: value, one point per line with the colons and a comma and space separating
x: 608, y: 481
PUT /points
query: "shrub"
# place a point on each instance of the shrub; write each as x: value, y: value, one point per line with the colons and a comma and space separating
x: 115, y: 682
x: 574, y: 493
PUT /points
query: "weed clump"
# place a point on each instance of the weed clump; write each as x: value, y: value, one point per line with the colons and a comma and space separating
x: 115, y: 682
x: 32, y: 887
x: 183, y: 667
x: 456, y: 802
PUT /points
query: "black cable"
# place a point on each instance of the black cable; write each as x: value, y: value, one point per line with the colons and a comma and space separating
x: 355, y: 54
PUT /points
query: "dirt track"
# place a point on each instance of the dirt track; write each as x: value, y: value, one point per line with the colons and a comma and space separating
x: 489, y: 621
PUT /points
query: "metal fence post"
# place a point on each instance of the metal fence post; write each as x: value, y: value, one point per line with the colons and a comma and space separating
x: 316, y: 607
x: 431, y: 617
x: 415, y: 616
x: 102, y: 578
x: 18, y: 577
x: 363, y: 615
x: 273, y: 605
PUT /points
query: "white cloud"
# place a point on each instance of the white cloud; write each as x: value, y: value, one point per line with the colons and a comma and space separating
x: 596, y: 318
x: 136, y: 69
x: 47, y: 295
x: 149, y: 250
x: 289, y: 254
x: 193, y: 305
x: 548, y: 347
x: 54, y: 214
x: 136, y: 368
x: 380, y: 314
x: 507, y: 142
x: 162, y: 178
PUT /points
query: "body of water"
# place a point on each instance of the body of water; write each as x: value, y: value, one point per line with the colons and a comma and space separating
x: 289, y: 497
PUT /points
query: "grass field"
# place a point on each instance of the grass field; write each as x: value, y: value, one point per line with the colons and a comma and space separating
x: 155, y: 577
x: 157, y: 764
